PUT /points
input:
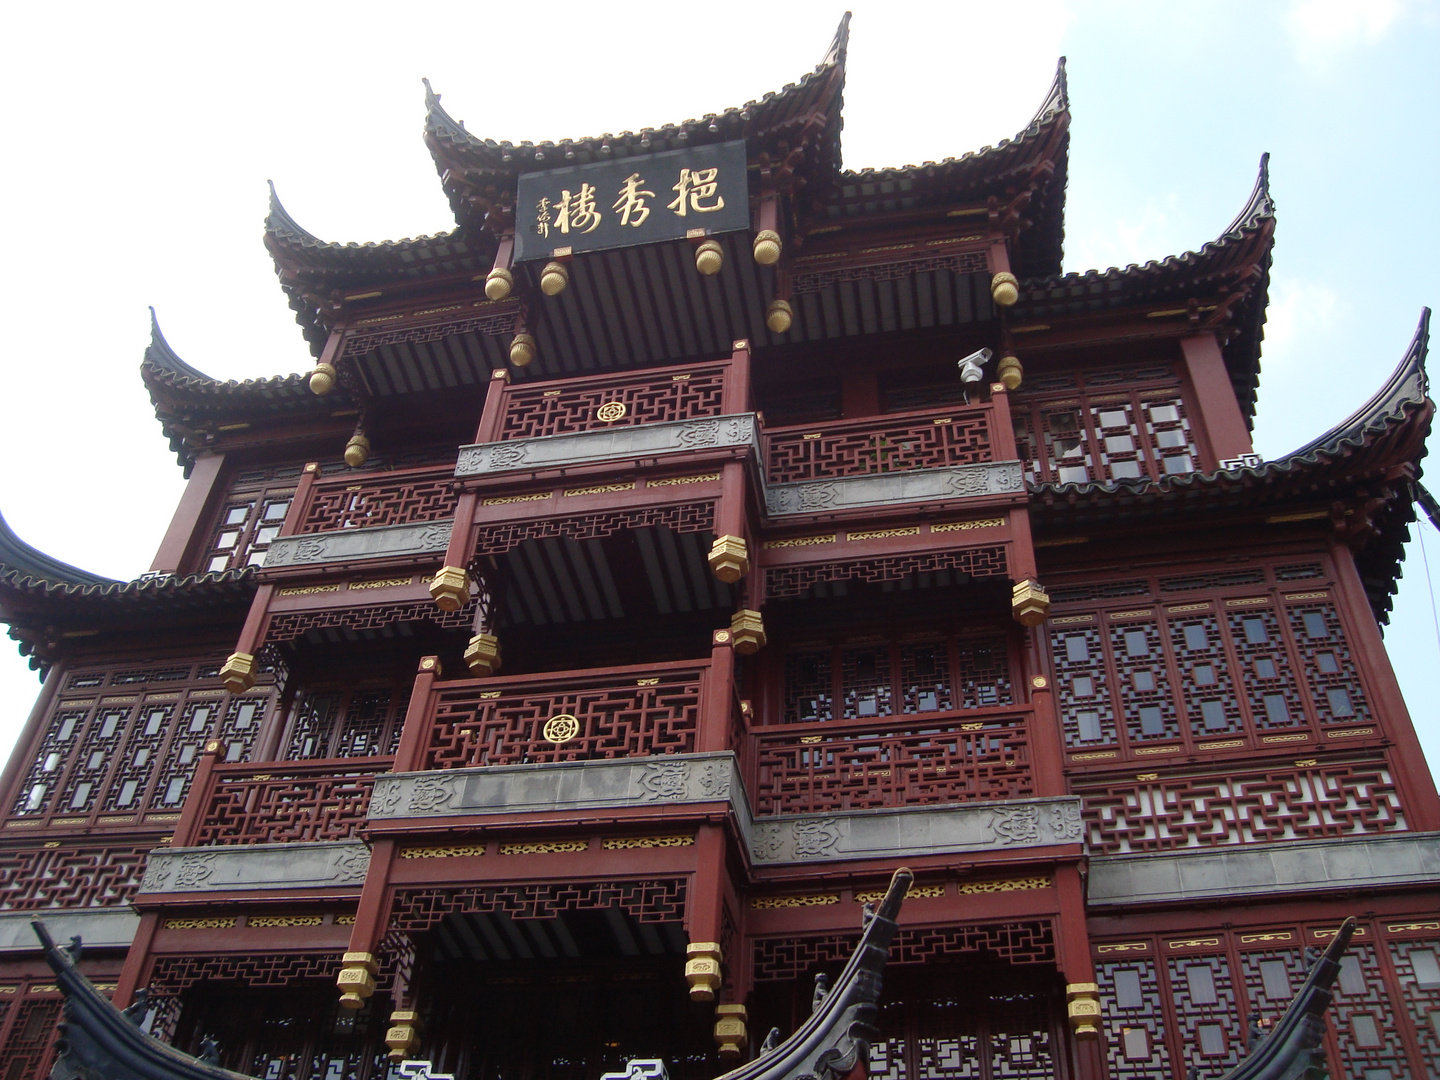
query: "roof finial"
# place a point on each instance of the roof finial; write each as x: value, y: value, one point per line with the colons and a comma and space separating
x: 162, y: 356
x: 1260, y: 204
x: 278, y: 220
x: 836, y: 53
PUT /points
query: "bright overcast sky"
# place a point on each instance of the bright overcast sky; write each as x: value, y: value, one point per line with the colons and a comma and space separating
x: 139, y: 138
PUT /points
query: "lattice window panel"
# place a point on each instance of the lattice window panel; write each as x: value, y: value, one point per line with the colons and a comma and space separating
x: 809, y: 688
x: 623, y: 719
x: 27, y: 1045
x: 245, y: 527
x: 70, y: 876
x: 965, y: 262
x: 1086, y: 713
x: 651, y: 901
x: 977, y: 562
x: 896, y: 766
x: 1334, y: 684
x: 84, y: 787
x: 1265, y: 669
x: 169, y: 975
x: 865, y: 681
x: 1167, y: 433
x: 1272, y: 978
x: 1363, y: 1018
x: 1027, y: 447
x: 1068, y: 457
x: 288, y: 805
x: 1417, y: 967
x: 1299, y: 571
x: 1220, y: 579
x: 1135, y: 1037
x: 388, y: 501
x: 850, y: 448
x: 1207, y: 1021
x: 63, y: 736
x: 196, y: 726
x: 1117, y: 440
x: 361, y: 722
x: 1027, y: 942
x: 1143, y: 678
x: 984, y: 672
x: 926, y: 683
x: 1241, y: 807
x: 682, y: 517
x: 1098, y: 590
x: 1212, y: 705
x: 651, y: 398
x: 131, y: 780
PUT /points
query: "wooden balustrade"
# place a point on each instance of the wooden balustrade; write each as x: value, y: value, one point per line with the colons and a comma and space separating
x: 890, y: 442
x: 531, y: 410
x: 575, y: 716
x: 355, y: 501
x: 910, y: 760
x: 285, y: 801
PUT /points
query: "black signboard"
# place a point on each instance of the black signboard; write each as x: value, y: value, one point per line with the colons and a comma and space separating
x: 636, y: 200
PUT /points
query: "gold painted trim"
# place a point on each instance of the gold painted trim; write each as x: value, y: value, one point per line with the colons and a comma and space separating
x: 1324, y: 594
x: 308, y: 590
x: 883, y: 534
x: 1249, y: 602
x: 627, y: 843
x: 966, y: 526
x: 1072, y: 620
x: 1279, y: 935
x: 769, y: 903
x: 1228, y: 744
x: 1401, y: 928
x: 1177, y: 609
x: 440, y: 851
x: 976, y: 888
x: 1149, y: 751
x: 1128, y: 946
x: 598, y: 489
x: 917, y: 892
x: 284, y: 920
x: 544, y: 847
x: 216, y: 923
x: 380, y: 583
x: 1136, y: 614
x: 1351, y: 734
x: 1272, y: 739
x: 671, y: 481
x: 1193, y: 943
x: 1102, y: 755
x: 802, y: 541
x: 506, y: 500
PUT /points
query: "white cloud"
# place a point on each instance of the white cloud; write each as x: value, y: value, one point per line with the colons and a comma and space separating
x: 1320, y: 30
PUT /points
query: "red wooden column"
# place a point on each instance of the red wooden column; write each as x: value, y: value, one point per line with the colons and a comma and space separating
x: 1072, y: 949
x: 703, y: 956
x: 195, y: 504
x: 136, y: 960
x: 729, y: 556
x: 1221, y: 427
x: 1419, y: 799
x: 716, y: 707
x: 415, y: 733
x: 451, y: 587
x: 735, y: 394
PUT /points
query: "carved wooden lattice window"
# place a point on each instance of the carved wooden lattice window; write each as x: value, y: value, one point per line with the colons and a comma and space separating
x: 27, y: 1031
x: 1207, y: 1021
x: 1417, y: 969
x: 105, y: 759
x: 1364, y: 1020
x: 854, y: 681
x: 354, y: 722
x: 1200, y: 670
x: 1122, y: 424
x: 250, y: 517
x: 1130, y: 1001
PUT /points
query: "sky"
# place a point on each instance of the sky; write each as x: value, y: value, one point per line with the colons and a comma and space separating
x: 139, y: 138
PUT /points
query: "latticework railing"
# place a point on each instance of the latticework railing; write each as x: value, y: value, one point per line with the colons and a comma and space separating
x: 609, y: 713
x: 287, y: 802
x: 394, y: 498
x: 947, y: 758
x: 607, y: 401
x: 879, y: 444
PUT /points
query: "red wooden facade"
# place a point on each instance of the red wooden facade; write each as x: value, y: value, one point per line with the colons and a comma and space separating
x: 547, y: 669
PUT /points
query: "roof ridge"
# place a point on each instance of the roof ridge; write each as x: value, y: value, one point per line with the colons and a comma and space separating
x: 27, y: 561
x: 159, y: 354
x: 1258, y: 207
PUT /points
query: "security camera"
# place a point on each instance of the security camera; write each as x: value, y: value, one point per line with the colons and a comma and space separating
x: 970, y: 366
x: 970, y: 369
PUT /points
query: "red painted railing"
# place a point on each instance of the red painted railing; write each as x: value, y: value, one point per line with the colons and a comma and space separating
x: 605, y: 713
x: 900, y: 761
x: 893, y: 442
x: 352, y: 501
x: 603, y: 401
x: 285, y: 801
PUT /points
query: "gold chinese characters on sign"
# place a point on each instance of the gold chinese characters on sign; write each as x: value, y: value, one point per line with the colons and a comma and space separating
x: 561, y: 728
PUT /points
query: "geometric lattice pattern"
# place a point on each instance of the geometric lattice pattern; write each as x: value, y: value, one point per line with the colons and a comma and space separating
x: 357, y: 722
x: 1031, y: 942
x: 680, y: 517
x: 70, y: 876
x: 1285, y: 802
x: 1417, y: 971
x: 897, y: 766
x: 652, y: 901
x: 1210, y: 667
x: 1121, y: 424
x: 171, y: 974
x: 289, y: 804
x: 648, y: 399
x: 985, y: 561
x: 125, y: 753
x: 878, y: 445
x: 1363, y: 1019
x: 27, y: 1034
x: 471, y: 727
x: 289, y: 625
x: 1134, y: 1027
x: 1206, y: 1019
x: 423, y: 495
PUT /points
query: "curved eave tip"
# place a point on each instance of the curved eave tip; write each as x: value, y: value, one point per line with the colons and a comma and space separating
x: 839, y: 44
x: 161, y: 355
x: 278, y: 220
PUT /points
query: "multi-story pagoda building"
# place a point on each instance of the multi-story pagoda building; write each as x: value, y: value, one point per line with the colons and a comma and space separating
x: 657, y: 561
